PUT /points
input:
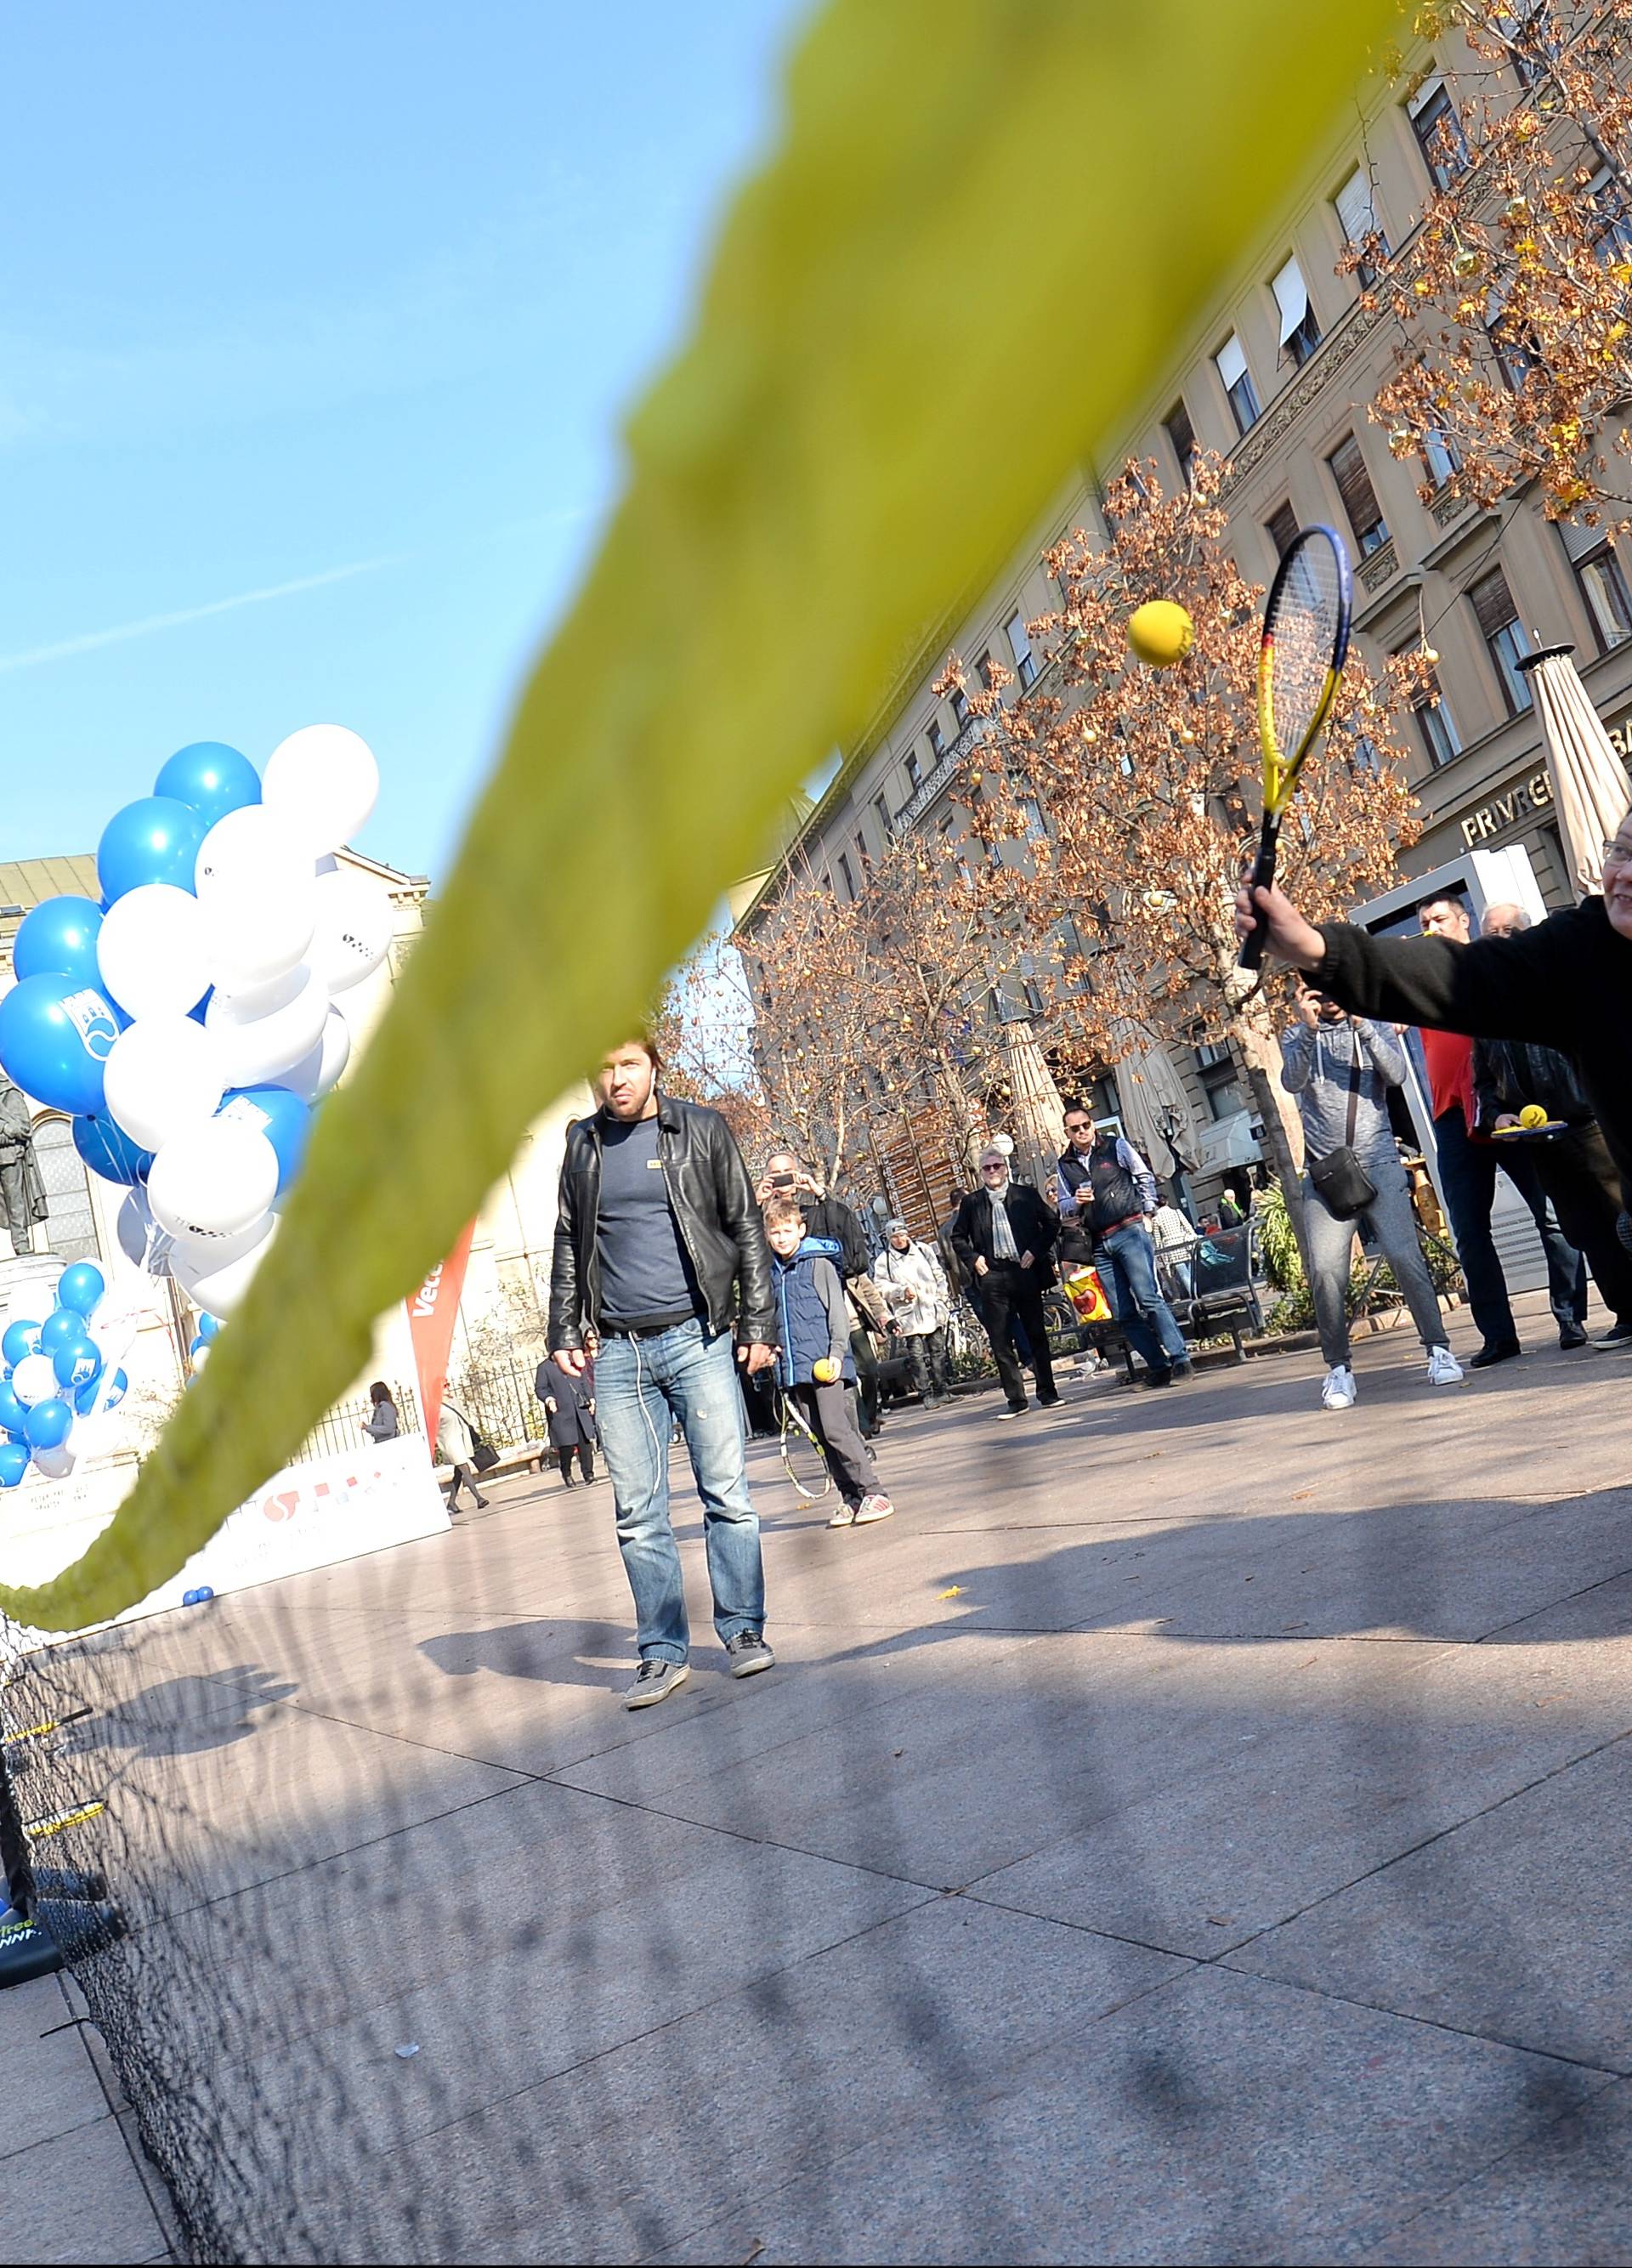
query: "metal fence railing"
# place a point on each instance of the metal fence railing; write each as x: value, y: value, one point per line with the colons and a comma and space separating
x: 499, y: 1403
x: 342, y: 1428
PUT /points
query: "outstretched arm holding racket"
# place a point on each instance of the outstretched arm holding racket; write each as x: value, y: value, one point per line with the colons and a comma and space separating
x: 1300, y: 659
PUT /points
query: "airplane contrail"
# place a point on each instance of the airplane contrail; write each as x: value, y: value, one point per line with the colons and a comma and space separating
x: 66, y: 648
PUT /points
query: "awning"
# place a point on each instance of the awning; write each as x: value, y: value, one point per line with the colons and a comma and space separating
x: 1588, y: 780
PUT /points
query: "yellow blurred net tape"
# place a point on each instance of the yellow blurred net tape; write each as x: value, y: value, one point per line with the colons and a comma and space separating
x: 986, y: 223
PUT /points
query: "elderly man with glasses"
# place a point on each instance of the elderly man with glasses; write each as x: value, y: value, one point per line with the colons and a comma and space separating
x: 1005, y: 1237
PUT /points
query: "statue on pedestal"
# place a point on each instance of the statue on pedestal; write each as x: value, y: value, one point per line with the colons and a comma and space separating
x: 22, y: 1191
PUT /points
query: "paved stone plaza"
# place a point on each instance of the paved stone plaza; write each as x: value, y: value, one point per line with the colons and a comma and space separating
x: 1193, y: 1829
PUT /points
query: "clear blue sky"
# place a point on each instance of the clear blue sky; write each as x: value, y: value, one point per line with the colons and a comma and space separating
x: 356, y: 291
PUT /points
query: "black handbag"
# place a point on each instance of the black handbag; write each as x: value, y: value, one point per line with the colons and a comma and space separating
x: 1338, y: 1179
x: 483, y: 1455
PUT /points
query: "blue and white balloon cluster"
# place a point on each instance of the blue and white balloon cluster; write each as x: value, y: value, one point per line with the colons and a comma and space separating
x: 187, y: 1023
x: 54, y: 1372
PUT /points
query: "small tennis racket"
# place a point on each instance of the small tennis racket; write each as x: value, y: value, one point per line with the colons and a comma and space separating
x: 802, y: 1458
x: 1300, y: 658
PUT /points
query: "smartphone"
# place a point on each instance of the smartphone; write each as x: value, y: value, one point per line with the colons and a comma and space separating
x: 781, y: 1181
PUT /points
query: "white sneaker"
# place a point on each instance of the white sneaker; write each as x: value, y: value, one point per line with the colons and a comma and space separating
x: 1444, y: 1369
x: 1340, y: 1389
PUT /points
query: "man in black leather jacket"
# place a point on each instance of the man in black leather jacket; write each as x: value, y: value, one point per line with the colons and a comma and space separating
x: 660, y: 1250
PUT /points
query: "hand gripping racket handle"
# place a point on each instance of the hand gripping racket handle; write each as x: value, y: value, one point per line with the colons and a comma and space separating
x: 1252, y: 953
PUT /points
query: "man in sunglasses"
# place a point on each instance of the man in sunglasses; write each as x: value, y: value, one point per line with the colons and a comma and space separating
x: 1106, y: 1195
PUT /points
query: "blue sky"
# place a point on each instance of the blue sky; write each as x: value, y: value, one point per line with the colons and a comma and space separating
x: 341, y: 303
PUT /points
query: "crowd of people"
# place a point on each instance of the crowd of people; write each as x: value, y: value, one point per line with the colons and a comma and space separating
x: 694, y: 1288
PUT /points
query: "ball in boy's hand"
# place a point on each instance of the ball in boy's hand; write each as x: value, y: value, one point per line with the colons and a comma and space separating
x: 826, y: 1373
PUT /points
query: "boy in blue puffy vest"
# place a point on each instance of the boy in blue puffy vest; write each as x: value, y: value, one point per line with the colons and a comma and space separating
x: 815, y: 1367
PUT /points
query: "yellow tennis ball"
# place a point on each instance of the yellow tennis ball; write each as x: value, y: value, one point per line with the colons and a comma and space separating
x: 1533, y: 1115
x: 1161, y: 633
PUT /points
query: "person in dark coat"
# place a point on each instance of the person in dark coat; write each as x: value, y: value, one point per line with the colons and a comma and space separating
x: 570, y: 1406
x: 1004, y: 1238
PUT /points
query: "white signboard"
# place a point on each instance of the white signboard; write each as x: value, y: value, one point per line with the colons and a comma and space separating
x: 309, y: 1515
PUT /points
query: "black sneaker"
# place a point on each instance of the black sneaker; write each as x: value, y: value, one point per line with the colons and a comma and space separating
x: 655, y: 1682
x: 1014, y: 1409
x: 1159, y: 1377
x: 1185, y: 1369
x: 1618, y: 1334
x: 1575, y: 1336
x: 748, y: 1653
x: 1500, y: 1351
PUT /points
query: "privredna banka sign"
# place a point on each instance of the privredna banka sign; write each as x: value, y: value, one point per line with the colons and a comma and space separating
x: 1529, y: 800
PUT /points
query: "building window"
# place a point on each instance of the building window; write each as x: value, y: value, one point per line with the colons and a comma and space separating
x: 1354, y: 485
x: 915, y: 770
x: 1438, y: 131
x: 1181, y: 433
x: 1514, y: 344
x: 1601, y: 582
x: 846, y: 877
x: 863, y: 857
x: 1230, y: 363
x: 1441, y: 457
x: 1282, y: 529
x: 1610, y: 221
x: 1217, y: 1068
x: 1504, y: 636
x: 938, y: 742
x: 1356, y: 206
x: 1021, y: 647
x: 1300, y: 332
x: 984, y: 670
x: 960, y: 706
x: 1436, y: 726
x: 70, y: 1221
x: 881, y: 811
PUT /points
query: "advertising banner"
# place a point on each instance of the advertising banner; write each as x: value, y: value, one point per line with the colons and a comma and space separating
x: 431, y: 1313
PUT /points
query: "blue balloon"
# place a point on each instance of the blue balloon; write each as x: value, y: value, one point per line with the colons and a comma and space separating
x: 210, y: 778
x: 282, y: 1117
x: 78, y: 1364
x: 80, y: 1286
x: 200, y: 1014
x: 85, y: 1396
x: 14, y: 1462
x: 55, y: 1034
x: 18, y: 1340
x: 210, y: 1328
x: 58, y: 938
x: 12, y: 1413
x: 49, y: 1425
x: 108, y: 1150
x: 60, y: 1327
x: 154, y: 840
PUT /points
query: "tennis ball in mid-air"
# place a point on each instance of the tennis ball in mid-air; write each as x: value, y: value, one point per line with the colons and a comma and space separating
x: 1161, y: 633
x: 1533, y: 1115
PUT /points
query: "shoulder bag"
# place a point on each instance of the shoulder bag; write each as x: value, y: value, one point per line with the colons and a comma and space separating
x: 1338, y: 1179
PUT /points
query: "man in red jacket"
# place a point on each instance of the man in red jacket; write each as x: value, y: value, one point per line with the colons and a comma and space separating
x: 1468, y: 1162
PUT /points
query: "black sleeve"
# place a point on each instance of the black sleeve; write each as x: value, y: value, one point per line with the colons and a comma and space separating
x: 1045, y: 1229
x: 1526, y: 987
x: 963, y: 1241
x: 852, y: 1244
x: 742, y: 1221
x: 563, y: 1274
x: 1487, y: 1068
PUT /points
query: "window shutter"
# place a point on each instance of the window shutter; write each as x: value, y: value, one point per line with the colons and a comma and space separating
x: 1493, y: 604
x: 1424, y: 94
x: 1291, y: 295
x: 1181, y: 433
x: 1356, y: 208
x: 1579, y: 539
x: 1282, y: 526
x: 1354, y: 485
x: 1232, y: 361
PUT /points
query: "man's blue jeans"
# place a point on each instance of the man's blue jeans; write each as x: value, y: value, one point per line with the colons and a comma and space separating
x: 690, y: 1376
x: 1136, y: 1297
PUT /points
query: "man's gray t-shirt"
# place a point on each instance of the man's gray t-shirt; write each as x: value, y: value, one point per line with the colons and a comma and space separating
x: 645, y: 1277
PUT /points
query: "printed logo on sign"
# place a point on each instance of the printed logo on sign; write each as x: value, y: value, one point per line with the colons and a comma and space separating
x: 425, y: 1297
x: 242, y: 1112
x: 92, y: 1019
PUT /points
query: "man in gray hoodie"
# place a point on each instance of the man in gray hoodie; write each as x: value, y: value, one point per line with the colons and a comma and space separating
x: 1341, y: 1068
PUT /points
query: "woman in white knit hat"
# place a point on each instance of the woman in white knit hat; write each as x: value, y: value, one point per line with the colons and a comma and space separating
x: 912, y: 1283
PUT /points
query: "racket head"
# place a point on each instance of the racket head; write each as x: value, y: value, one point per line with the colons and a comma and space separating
x: 1301, y: 654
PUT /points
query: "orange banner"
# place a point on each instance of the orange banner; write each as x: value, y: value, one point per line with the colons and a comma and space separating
x: 431, y: 1313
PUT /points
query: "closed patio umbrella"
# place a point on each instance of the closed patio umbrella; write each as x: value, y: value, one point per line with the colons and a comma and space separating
x: 1588, y: 779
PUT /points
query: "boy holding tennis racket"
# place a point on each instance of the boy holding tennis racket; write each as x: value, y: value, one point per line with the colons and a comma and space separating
x: 814, y: 1366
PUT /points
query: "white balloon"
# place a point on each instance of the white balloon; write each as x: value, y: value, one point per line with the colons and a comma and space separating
x: 252, y: 1000
x: 319, y: 1069
x: 162, y: 1075
x: 141, y: 1239
x: 324, y: 781
x: 56, y: 1464
x: 354, y: 926
x: 34, y: 1379
x: 215, y: 1283
x: 254, y: 1048
x: 213, y: 1181
x: 253, y: 937
x: 199, y: 1357
x: 150, y: 951
x: 254, y: 853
